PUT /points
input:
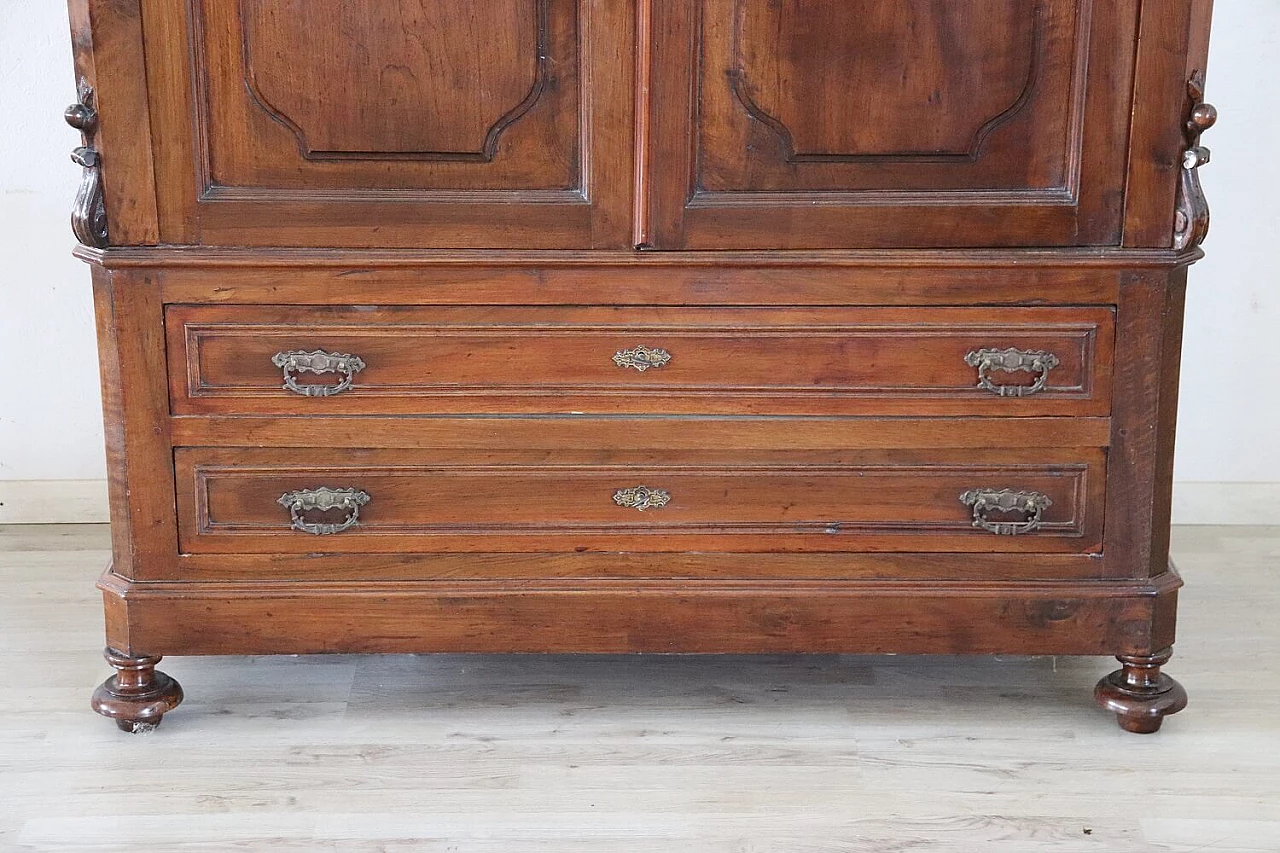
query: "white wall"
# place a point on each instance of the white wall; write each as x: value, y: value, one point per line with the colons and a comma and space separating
x: 50, y: 419
x: 1229, y: 427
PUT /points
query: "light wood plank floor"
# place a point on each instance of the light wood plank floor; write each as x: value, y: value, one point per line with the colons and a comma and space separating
x: 568, y: 754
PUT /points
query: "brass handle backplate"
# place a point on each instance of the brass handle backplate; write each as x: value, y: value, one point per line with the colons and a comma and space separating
x: 987, y: 501
x: 323, y: 500
x: 641, y: 358
x: 641, y: 498
x: 318, y: 362
x: 1012, y: 361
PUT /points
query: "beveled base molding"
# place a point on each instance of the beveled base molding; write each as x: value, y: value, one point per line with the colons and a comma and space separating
x: 137, y: 697
x: 623, y: 616
x: 1139, y: 694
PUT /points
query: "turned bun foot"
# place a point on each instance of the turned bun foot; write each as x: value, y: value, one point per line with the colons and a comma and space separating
x: 1139, y: 694
x: 136, y: 697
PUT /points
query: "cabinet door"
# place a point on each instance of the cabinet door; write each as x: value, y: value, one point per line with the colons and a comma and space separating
x: 487, y: 123
x: 868, y: 123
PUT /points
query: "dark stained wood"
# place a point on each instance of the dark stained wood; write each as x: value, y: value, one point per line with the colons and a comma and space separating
x: 363, y: 82
x: 525, y: 567
x: 1084, y: 618
x: 731, y: 361
x: 106, y: 37
x: 932, y: 81
x: 415, y: 124
x: 1149, y: 330
x: 825, y: 125
x: 114, y: 424
x: 137, y: 697
x: 488, y: 202
x: 1198, y: 40
x: 1105, y: 131
x: 644, y: 166
x: 1159, y: 112
x: 1139, y: 694
x: 425, y: 501
x: 1061, y: 261
x: 660, y: 278
x: 777, y: 435
x: 130, y: 324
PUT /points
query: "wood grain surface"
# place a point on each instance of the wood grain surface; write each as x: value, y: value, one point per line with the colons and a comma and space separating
x: 983, y: 123
x: 438, y: 501
x: 732, y: 361
x: 416, y: 124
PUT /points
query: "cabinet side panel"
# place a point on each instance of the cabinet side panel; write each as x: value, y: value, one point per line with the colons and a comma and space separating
x: 113, y: 423
x: 1159, y: 110
x: 1198, y: 43
x: 136, y: 412
x: 1140, y: 472
x: 106, y: 38
x: 1167, y: 420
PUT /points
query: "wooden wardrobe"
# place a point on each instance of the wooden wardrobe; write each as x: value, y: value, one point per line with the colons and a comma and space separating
x: 696, y: 326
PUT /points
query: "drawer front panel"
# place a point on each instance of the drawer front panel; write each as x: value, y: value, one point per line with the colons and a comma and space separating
x: 411, y: 360
x: 393, y: 501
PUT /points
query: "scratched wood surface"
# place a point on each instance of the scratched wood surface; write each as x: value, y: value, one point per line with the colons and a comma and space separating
x: 516, y: 754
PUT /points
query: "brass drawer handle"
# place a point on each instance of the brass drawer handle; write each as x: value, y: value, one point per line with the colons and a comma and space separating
x: 1011, y: 361
x: 317, y: 361
x: 987, y: 501
x: 324, y: 499
x: 641, y: 498
x: 641, y: 358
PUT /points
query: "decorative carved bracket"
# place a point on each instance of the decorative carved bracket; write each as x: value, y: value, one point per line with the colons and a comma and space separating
x: 89, y: 216
x: 1191, y: 225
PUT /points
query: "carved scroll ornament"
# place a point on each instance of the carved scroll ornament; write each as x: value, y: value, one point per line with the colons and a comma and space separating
x: 1191, y: 223
x: 89, y: 216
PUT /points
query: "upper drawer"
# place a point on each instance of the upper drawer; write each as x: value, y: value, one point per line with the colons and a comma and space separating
x: 275, y: 360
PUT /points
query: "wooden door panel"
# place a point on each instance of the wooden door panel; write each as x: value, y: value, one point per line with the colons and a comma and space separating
x: 827, y: 124
x: 501, y: 123
x: 374, y: 80
x: 801, y: 73
x: 953, y: 98
x: 374, y: 86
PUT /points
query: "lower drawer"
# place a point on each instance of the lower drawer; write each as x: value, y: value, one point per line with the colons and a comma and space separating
x: 327, y: 501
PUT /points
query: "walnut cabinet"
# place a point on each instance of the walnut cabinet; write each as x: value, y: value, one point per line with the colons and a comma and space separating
x: 640, y: 326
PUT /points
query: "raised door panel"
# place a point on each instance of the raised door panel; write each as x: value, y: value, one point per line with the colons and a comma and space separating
x: 827, y: 123
x: 501, y: 123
